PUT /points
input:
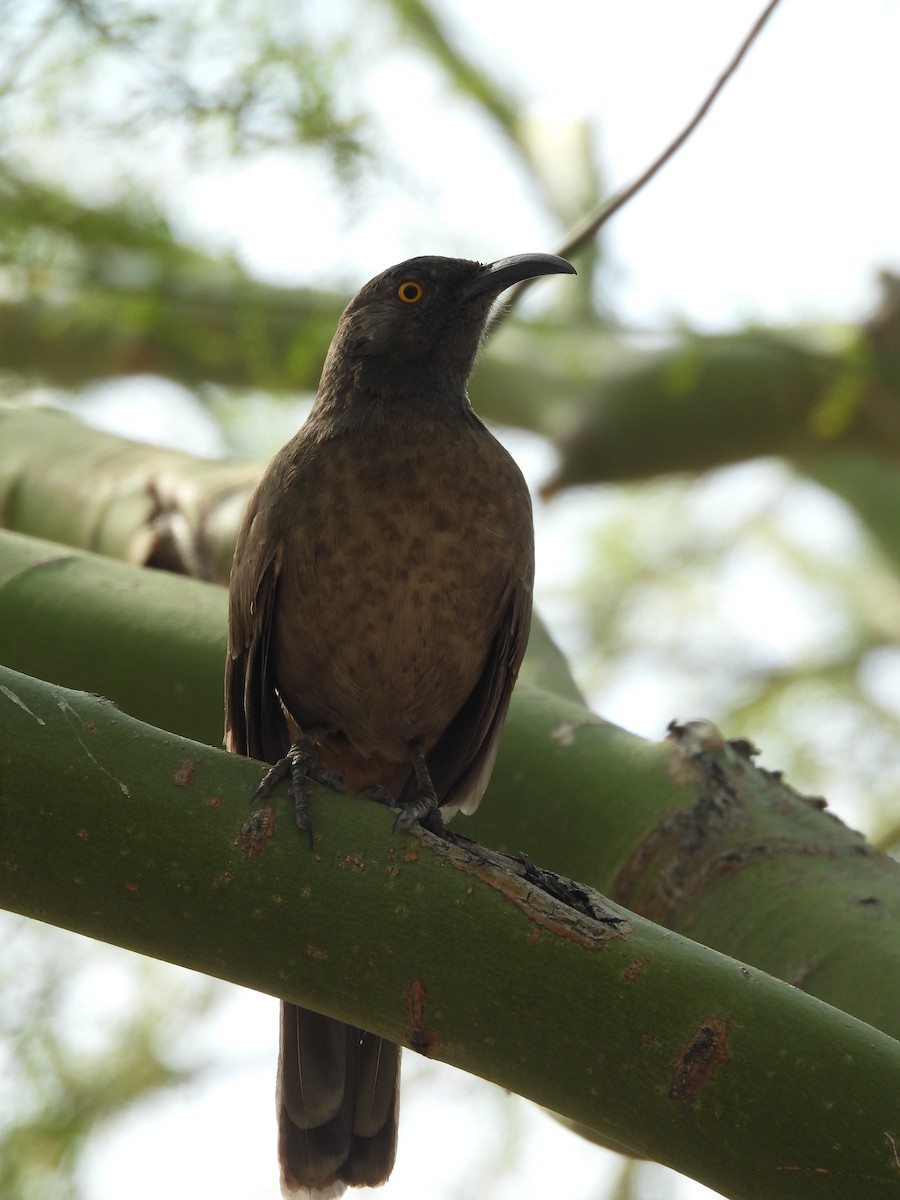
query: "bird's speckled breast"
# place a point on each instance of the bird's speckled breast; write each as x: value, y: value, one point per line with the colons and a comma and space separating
x: 390, y: 628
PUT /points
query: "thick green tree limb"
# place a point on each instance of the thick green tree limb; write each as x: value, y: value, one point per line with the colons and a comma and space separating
x: 68, y: 483
x: 692, y: 834
x: 668, y: 1049
x: 153, y: 642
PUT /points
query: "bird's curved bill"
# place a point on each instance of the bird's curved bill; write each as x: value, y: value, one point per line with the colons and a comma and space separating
x: 497, y: 276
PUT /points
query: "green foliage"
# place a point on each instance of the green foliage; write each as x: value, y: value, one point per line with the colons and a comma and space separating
x: 64, y: 1080
x: 231, y: 75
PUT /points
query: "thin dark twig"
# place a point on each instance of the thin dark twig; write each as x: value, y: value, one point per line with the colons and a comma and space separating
x: 588, y: 226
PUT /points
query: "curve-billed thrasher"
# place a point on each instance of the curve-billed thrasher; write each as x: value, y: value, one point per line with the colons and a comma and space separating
x: 379, y: 610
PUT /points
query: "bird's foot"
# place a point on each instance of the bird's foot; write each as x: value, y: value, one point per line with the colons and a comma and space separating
x: 421, y: 806
x: 301, y: 764
x: 422, y: 803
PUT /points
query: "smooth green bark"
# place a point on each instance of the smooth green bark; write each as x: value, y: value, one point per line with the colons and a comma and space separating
x: 662, y: 1046
x: 152, y: 641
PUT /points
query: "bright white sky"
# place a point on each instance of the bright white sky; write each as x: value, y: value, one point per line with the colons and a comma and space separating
x: 782, y: 208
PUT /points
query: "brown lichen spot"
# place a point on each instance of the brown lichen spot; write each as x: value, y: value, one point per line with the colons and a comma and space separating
x: 225, y: 877
x: 534, y: 935
x: 184, y: 773
x: 410, y: 856
x: 256, y: 832
x: 83, y: 833
x: 699, y: 1059
x: 648, y: 1040
x: 131, y: 887
x: 90, y: 727
x: 419, y: 1036
x: 214, y: 802
x: 356, y: 861
x: 634, y: 970
x: 317, y: 952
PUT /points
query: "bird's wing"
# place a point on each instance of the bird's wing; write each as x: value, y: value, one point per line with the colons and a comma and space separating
x: 461, y: 762
x: 255, y: 722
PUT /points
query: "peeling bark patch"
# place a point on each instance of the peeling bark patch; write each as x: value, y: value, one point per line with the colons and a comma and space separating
x: 551, y: 903
x: 634, y: 970
x: 420, y: 1038
x: 694, y: 848
x: 184, y: 773
x: 699, y: 1060
x: 356, y: 861
x: 691, y: 740
x: 256, y: 832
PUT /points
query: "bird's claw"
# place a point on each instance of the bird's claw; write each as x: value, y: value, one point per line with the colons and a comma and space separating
x: 421, y: 807
x: 302, y: 764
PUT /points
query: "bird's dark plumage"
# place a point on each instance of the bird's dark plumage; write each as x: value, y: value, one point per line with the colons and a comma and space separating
x: 379, y: 610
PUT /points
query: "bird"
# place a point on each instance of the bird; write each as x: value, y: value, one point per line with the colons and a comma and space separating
x: 379, y: 608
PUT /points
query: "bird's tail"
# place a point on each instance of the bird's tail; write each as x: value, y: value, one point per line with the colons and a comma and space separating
x: 337, y: 1101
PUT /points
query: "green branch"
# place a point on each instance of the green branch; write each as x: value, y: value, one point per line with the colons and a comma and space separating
x: 659, y: 1045
x: 689, y: 833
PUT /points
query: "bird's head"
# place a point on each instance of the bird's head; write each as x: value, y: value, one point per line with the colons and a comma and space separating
x: 414, y: 330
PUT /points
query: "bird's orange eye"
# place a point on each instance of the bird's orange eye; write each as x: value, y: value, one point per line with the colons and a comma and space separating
x: 410, y: 292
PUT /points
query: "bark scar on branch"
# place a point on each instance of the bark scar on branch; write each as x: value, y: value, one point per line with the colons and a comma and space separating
x: 552, y: 903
